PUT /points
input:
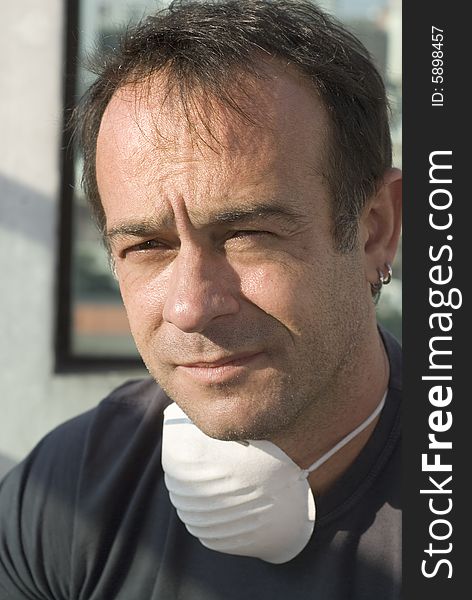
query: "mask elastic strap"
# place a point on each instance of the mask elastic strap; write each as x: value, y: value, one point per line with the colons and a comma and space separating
x: 348, y: 437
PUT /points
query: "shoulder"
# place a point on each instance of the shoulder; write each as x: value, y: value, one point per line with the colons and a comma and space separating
x: 39, y: 498
x: 122, y: 413
x: 125, y: 425
x: 122, y: 435
x: 128, y: 407
x: 125, y: 409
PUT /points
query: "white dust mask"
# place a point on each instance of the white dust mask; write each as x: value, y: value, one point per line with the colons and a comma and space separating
x: 246, y: 498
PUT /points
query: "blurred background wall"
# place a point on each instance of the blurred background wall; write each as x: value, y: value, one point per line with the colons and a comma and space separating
x: 53, y: 368
x: 33, y: 397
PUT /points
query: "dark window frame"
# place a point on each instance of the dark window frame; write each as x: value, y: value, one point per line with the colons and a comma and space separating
x: 65, y: 360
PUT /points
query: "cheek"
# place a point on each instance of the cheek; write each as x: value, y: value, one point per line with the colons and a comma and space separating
x: 144, y: 301
x: 286, y: 293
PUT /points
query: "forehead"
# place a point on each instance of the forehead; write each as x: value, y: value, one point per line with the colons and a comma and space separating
x: 150, y: 136
x: 281, y: 107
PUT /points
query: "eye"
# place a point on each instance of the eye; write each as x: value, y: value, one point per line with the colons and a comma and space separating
x: 243, y: 240
x: 146, y: 246
x: 248, y: 233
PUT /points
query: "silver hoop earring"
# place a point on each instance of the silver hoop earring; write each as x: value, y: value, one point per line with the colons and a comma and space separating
x: 383, y: 280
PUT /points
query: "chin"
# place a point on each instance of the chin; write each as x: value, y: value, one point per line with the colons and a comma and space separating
x: 256, y: 405
x: 234, y: 417
x: 223, y: 417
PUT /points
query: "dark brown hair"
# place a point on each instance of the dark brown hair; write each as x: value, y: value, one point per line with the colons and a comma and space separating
x: 201, y: 45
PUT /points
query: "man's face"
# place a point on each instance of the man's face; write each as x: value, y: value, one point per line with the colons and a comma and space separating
x: 239, y: 305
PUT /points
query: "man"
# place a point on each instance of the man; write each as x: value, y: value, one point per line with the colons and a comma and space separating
x: 238, y: 161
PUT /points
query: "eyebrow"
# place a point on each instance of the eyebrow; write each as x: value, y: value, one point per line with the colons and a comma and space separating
x: 146, y: 227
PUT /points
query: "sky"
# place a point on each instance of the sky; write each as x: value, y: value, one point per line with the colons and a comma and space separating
x: 353, y: 8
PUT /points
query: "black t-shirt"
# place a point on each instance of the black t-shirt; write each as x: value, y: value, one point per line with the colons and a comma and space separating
x: 87, y: 517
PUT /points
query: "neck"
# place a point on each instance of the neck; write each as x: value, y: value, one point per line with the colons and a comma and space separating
x: 351, y: 399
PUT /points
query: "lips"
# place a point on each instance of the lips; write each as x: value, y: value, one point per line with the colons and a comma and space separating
x: 223, y: 369
x: 234, y: 359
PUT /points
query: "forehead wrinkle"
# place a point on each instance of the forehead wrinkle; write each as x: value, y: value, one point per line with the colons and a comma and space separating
x: 163, y: 219
x: 139, y: 228
x: 238, y: 213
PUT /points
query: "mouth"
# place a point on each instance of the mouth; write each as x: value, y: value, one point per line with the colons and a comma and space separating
x: 222, y: 369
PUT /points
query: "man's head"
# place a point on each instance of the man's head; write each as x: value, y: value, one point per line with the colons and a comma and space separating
x: 206, y: 47
x: 245, y: 218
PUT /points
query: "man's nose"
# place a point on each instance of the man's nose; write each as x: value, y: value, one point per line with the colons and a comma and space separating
x: 201, y: 288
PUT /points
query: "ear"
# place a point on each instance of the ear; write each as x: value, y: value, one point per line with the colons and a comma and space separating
x: 381, y: 224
